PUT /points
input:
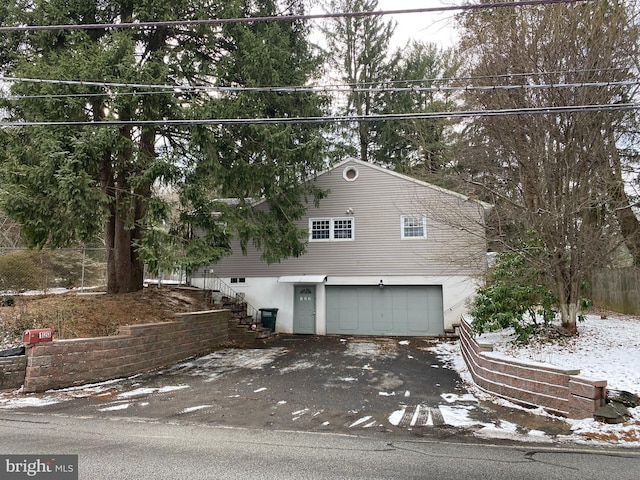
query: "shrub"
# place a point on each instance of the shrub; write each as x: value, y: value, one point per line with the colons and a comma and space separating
x: 7, y: 301
x: 514, y: 296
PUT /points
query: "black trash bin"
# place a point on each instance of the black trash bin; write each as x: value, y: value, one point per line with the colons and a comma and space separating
x: 268, y: 318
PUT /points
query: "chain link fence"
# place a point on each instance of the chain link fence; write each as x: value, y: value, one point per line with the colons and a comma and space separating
x: 24, y: 270
x: 44, y: 271
x: 27, y: 274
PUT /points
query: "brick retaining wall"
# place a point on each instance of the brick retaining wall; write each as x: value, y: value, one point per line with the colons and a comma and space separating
x: 12, y: 371
x: 558, y: 391
x: 136, y: 349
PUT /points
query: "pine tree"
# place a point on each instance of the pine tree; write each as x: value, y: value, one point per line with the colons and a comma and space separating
x: 67, y: 183
x: 416, y: 147
x: 358, y: 53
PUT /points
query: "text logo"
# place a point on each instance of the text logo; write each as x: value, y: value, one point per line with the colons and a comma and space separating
x: 50, y: 467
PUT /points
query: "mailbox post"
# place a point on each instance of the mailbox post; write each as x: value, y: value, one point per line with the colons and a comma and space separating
x: 37, y: 335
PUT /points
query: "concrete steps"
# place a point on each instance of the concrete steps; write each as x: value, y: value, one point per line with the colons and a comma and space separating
x: 242, y: 320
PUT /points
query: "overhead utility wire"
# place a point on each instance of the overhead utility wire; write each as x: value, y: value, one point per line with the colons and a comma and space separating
x: 168, y: 89
x: 91, y: 83
x: 339, y: 89
x: 350, y: 85
x: 337, y: 119
x: 284, y: 18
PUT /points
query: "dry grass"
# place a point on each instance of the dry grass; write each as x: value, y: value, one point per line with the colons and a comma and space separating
x: 98, y: 314
x: 628, y: 434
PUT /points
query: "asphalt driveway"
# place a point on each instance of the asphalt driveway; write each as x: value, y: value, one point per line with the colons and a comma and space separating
x: 332, y: 384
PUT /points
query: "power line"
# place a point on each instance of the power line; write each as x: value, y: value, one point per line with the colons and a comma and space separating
x: 335, y: 119
x: 91, y: 83
x: 362, y: 84
x: 283, y: 18
x: 81, y: 95
x: 345, y: 88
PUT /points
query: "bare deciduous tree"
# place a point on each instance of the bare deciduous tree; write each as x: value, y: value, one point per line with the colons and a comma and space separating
x: 553, y: 176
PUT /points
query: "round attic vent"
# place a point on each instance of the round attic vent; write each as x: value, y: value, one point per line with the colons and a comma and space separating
x: 350, y: 173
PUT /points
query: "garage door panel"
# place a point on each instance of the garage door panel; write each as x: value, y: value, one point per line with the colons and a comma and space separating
x: 393, y: 310
x: 435, y: 311
x: 400, y: 319
x: 348, y: 319
x: 381, y: 303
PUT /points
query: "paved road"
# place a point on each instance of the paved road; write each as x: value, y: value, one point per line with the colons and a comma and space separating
x: 132, y: 450
x: 319, y: 384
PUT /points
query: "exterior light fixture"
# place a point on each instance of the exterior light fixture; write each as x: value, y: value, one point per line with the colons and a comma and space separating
x: 381, y: 284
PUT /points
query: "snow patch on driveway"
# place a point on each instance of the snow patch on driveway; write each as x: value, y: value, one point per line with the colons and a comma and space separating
x: 121, y: 406
x: 299, y: 365
x: 139, y: 392
x: 195, y: 409
x: 229, y: 360
x: 362, y: 349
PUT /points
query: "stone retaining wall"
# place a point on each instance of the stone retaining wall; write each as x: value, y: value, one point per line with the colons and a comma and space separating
x: 558, y: 391
x: 12, y: 371
x: 136, y: 349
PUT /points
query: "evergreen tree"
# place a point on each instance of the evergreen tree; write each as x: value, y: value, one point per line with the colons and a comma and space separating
x: 67, y: 183
x: 358, y: 54
x: 416, y: 147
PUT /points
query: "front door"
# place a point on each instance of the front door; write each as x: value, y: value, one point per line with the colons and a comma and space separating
x: 304, y: 309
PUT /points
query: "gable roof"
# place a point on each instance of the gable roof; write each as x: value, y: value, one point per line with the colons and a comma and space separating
x: 484, y: 205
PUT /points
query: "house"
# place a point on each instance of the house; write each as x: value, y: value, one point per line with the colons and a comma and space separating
x: 387, y: 255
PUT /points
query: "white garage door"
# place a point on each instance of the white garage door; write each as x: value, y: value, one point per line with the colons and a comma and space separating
x: 411, y: 310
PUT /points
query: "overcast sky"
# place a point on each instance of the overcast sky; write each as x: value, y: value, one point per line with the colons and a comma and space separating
x: 432, y: 27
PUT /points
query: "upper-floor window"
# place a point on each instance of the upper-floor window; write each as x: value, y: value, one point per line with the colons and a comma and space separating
x: 331, y: 229
x: 350, y: 174
x: 413, y: 226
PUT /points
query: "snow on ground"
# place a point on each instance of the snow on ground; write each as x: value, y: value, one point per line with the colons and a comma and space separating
x: 141, y: 392
x: 604, y: 349
x: 49, y: 291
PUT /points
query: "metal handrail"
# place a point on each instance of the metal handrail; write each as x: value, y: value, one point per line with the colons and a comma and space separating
x: 220, y: 286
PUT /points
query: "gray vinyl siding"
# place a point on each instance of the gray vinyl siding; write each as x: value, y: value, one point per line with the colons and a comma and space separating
x: 378, y: 199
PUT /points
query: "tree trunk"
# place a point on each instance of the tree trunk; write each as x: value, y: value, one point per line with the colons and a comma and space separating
x: 109, y: 240
x: 125, y: 270
x: 569, y: 316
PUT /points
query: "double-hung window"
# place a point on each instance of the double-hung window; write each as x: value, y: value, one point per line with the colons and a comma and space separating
x: 327, y: 229
x: 413, y: 226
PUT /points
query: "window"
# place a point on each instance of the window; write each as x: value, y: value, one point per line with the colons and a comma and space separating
x: 238, y: 280
x: 330, y: 229
x: 320, y: 229
x: 350, y: 174
x: 342, y: 229
x: 413, y: 226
